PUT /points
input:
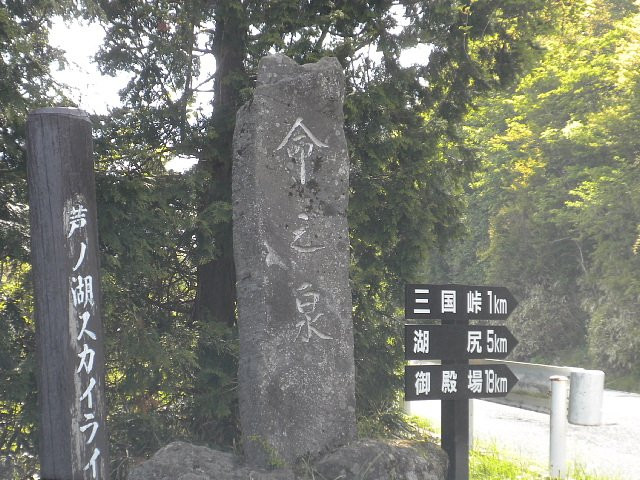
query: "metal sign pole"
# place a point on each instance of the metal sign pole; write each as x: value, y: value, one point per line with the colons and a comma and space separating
x: 454, y: 420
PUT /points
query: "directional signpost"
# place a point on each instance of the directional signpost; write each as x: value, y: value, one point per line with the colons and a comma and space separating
x: 454, y: 302
x: 455, y: 342
x: 452, y: 342
x: 449, y: 382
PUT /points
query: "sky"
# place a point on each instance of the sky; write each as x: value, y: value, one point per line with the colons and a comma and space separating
x: 92, y: 91
x: 97, y: 93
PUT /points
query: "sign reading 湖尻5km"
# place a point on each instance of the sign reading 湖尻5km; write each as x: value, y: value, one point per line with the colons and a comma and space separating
x: 435, y: 382
x: 452, y: 342
x: 448, y: 302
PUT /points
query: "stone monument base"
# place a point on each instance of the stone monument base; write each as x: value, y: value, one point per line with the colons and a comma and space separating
x: 362, y: 459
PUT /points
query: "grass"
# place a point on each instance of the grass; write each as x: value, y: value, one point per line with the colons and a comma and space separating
x: 489, y: 463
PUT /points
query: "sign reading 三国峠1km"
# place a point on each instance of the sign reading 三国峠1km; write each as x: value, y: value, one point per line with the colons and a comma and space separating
x: 451, y: 302
x: 436, y: 382
x: 449, y: 342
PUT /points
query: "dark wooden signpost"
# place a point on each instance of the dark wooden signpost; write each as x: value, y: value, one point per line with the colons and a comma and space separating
x: 70, y: 343
x: 455, y: 342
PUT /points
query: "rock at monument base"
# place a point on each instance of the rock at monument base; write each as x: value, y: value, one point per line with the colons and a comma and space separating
x: 183, y: 461
x: 361, y: 460
x: 380, y: 460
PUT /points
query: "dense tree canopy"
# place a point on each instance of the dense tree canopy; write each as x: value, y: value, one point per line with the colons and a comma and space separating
x: 25, y: 84
x: 166, y: 247
x: 553, y: 212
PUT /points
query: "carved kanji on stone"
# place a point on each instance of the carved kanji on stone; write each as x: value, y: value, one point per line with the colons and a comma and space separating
x: 291, y: 247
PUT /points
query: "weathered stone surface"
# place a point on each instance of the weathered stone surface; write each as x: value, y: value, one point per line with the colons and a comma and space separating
x: 182, y: 461
x: 361, y: 460
x: 379, y: 460
x: 290, y: 193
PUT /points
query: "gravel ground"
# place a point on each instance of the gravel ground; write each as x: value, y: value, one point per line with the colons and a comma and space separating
x: 612, y: 448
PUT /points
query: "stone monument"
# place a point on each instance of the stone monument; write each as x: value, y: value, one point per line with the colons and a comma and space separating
x: 290, y: 194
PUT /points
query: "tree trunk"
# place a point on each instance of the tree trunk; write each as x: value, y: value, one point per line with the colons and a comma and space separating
x: 214, y: 395
x: 215, y: 300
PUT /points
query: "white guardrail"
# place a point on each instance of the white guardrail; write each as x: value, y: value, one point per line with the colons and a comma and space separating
x: 533, y: 390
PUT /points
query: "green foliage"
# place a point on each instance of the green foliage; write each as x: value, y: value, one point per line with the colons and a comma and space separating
x: 486, y: 460
x: 490, y: 464
x: 613, y: 337
x: 18, y: 408
x: 25, y: 84
x: 164, y: 364
x: 553, y: 212
x: 408, y: 162
x: 166, y: 252
x: 544, y: 323
x: 394, y: 423
x: 274, y: 460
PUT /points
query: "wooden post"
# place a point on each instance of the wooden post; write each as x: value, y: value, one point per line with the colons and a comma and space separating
x: 64, y: 248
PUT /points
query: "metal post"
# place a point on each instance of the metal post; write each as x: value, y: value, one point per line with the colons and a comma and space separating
x: 64, y: 246
x: 455, y: 437
x: 558, y: 430
x: 454, y: 421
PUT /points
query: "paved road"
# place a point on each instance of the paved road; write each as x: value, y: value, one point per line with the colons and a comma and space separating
x: 612, y: 448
